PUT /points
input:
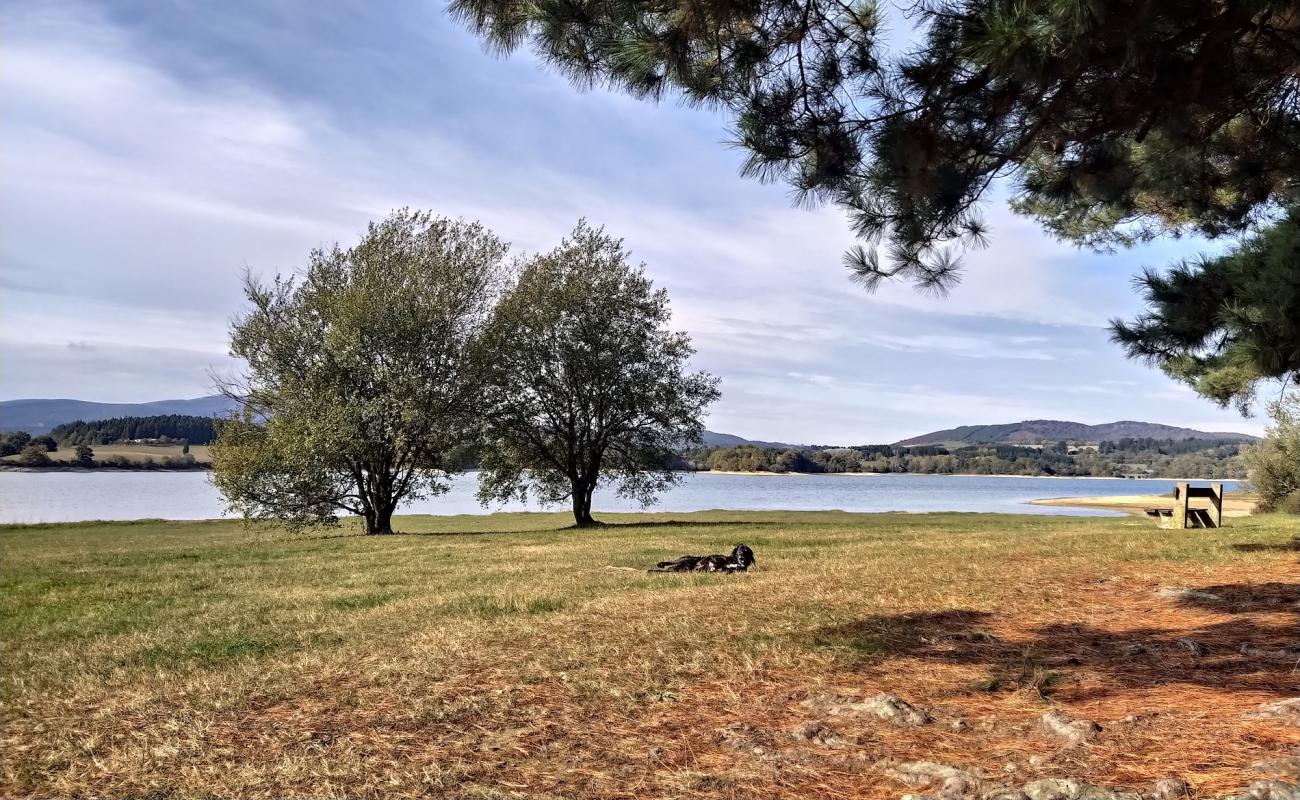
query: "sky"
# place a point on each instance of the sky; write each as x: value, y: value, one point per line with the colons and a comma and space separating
x: 151, y: 152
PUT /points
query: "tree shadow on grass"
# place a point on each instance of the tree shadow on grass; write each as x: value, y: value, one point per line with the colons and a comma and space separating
x: 574, y: 529
x: 688, y: 523
x: 1292, y: 546
x: 1243, y: 653
x: 1247, y: 598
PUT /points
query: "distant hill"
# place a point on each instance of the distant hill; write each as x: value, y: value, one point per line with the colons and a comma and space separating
x: 1051, y: 430
x: 715, y: 439
x: 39, y: 416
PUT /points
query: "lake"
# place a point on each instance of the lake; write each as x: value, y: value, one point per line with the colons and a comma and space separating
x: 75, y: 496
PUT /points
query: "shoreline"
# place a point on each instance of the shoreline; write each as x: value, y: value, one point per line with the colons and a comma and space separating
x: 764, y: 474
x: 70, y: 468
x: 1239, y: 504
x: 1137, y: 481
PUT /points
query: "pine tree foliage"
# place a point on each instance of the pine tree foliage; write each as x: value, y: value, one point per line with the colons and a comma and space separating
x: 1115, y: 120
x: 1224, y: 325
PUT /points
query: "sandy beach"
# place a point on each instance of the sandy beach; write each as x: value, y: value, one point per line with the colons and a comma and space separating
x: 1235, y: 504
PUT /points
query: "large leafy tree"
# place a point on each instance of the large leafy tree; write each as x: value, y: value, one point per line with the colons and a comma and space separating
x: 360, y: 382
x: 1114, y: 120
x: 587, y: 382
x: 1226, y: 324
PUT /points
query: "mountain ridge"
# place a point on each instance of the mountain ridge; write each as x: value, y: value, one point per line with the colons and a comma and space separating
x: 39, y: 415
x: 1034, y: 431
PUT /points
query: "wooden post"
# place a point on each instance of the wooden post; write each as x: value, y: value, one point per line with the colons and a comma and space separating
x: 1180, y: 506
x: 1216, y: 500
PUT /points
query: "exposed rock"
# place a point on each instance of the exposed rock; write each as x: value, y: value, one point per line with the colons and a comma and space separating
x: 1285, y: 711
x: 952, y: 782
x: 1052, y: 789
x: 1287, y: 767
x: 883, y: 706
x: 1279, y: 654
x: 1090, y: 792
x: 1059, y: 789
x: 1171, y: 789
x: 1192, y: 646
x: 747, y: 738
x: 1269, y: 790
x: 1069, y: 789
x: 1183, y: 593
x: 892, y: 708
x: 958, y: 725
x: 959, y: 787
x: 1074, y: 731
x: 820, y: 733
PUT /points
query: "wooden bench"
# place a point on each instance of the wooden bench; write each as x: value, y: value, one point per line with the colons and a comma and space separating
x: 1180, y: 515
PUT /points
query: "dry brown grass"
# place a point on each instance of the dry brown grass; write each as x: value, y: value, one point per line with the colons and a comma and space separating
x: 499, y: 658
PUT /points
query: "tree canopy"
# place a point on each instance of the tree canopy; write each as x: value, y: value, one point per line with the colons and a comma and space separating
x: 1114, y: 120
x: 1275, y: 462
x: 362, y: 371
x: 13, y: 442
x: 180, y: 427
x: 586, y: 382
x: 1223, y: 325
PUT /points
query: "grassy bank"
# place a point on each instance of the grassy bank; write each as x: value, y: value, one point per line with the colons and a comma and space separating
x: 131, y: 452
x: 498, y: 656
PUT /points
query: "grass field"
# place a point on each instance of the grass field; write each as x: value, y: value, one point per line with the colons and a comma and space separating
x: 495, y: 657
x: 132, y: 452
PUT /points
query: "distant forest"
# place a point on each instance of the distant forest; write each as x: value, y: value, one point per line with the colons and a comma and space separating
x: 1156, y: 458
x: 167, y: 427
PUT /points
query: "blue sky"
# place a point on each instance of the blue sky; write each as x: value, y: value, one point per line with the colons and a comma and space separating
x: 151, y: 151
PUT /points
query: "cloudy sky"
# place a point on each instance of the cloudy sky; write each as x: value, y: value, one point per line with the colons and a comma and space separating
x: 150, y: 152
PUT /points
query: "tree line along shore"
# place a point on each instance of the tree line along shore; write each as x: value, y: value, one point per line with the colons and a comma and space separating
x: 377, y: 373
x: 180, y: 442
x: 164, y: 442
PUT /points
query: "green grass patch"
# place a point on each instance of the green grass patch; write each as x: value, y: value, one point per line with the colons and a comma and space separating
x: 359, y: 602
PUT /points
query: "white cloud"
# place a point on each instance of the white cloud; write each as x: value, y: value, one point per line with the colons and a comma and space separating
x: 134, y: 193
x: 1009, y: 347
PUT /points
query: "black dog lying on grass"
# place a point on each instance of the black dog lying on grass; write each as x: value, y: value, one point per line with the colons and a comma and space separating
x: 740, y: 560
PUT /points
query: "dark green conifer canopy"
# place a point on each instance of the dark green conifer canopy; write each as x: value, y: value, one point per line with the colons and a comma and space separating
x: 1114, y: 120
x: 1223, y: 325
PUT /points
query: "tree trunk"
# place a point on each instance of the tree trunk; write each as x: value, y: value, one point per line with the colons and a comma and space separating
x: 582, y: 504
x: 379, y: 518
x: 384, y: 519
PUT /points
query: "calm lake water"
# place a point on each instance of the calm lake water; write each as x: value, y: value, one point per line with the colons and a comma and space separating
x: 73, y: 496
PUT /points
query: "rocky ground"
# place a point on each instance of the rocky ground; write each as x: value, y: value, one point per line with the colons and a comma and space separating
x: 1037, y: 778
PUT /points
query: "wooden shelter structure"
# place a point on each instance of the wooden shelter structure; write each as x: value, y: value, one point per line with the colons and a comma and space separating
x: 1181, y: 515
